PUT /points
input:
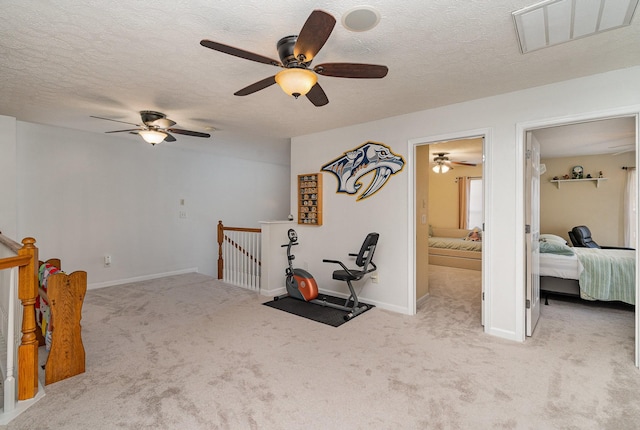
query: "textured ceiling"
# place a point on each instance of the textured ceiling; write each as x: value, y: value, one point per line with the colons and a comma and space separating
x: 64, y: 61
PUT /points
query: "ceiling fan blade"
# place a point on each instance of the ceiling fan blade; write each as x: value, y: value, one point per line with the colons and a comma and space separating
x: 188, y: 132
x: 169, y: 138
x: 114, y: 120
x: 163, y: 123
x: 121, y: 131
x: 257, y: 86
x: 463, y: 163
x: 239, y: 52
x: 352, y: 70
x: 317, y: 96
x: 315, y: 32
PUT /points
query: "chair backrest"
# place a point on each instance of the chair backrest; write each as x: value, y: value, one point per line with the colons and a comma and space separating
x: 367, y: 249
x: 582, y: 236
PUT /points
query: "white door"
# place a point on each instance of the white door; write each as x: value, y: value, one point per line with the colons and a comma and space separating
x: 532, y: 222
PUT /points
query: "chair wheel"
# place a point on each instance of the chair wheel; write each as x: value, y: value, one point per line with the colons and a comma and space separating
x: 275, y: 299
x: 348, y: 316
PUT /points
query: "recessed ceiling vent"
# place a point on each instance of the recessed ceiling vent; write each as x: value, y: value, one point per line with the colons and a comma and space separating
x: 361, y: 18
x: 552, y: 22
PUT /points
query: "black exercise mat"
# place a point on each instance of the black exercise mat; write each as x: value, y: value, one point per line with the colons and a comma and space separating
x: 323, y: 314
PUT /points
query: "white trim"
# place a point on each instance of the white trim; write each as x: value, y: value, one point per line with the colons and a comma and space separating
x: 97, y: 285
x: 411, y: 219
x: 521, y: 129
x: 637, y: 242
x: 486, y: 133
x: 381, y: 305
x: 21, y: 406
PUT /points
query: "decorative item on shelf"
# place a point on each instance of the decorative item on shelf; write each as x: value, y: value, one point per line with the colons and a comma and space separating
x: 577, y: 172
x: 589, y: 176
x: 600, y: 175
x: 566, y: 177
x: 555, y: 178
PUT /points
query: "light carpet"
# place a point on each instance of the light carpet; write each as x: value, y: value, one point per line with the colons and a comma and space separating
x: 188, y: 352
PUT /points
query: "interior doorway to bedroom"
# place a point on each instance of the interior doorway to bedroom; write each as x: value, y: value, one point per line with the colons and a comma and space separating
x: 449, y: 202
x: 589, y: 148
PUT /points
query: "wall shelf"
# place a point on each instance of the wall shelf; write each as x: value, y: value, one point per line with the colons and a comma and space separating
x: 596, y: 180
x: 310, y: 199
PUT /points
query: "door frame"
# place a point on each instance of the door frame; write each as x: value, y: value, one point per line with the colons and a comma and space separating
x: 486, y: 134
x: 521, y: 129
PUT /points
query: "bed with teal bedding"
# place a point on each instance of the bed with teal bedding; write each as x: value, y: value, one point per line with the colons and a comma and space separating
x: 602, y: 274
x: 609, y: 274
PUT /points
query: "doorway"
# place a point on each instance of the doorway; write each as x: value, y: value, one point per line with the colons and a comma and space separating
x: 603, y: 144
x: 443, y: 165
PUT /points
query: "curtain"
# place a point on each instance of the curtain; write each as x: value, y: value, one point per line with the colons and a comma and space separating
x: 463, y: 201
x: 630, y: 211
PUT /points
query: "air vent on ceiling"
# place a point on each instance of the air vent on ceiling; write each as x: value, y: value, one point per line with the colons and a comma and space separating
x: 552, y: 22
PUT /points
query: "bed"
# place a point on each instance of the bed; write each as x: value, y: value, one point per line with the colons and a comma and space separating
x: 448, y: 247
x: 589, y: 273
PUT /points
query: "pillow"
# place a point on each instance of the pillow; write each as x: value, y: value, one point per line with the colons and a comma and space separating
x: 552, y: 238
x: 474, y: 235
x: 555, y: 248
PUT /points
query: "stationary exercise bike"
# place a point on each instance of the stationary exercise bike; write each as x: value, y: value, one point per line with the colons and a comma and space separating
x: 302, y: 286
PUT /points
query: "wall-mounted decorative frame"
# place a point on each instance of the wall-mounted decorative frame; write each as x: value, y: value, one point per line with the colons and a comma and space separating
x: 367, y: 158
x: 310, y: 199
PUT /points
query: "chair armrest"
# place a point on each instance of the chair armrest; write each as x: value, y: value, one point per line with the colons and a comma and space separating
x: 346, y: 269
x: 336, y: 262
x: 616, y: 247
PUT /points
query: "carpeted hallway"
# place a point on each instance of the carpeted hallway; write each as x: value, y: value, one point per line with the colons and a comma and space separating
x: 187, y: 352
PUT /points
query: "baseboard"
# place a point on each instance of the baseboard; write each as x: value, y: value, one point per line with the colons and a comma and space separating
x: 422, y: 299
x: 274, y: 292
x: 97, y: 285
x: 21, y: 406
x: 381, y: 305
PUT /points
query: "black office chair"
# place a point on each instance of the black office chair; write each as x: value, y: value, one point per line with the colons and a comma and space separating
x: 581, y: 237
x: 364, y: 261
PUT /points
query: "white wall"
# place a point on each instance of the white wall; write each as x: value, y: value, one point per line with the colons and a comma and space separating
x: 347, y: 221
x: 8, y: 190
x: 83, y: 195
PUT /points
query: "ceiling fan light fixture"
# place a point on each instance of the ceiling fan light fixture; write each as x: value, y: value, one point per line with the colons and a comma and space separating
x: 440, y: 167
x: 296, y: 81
x: 152, y: 136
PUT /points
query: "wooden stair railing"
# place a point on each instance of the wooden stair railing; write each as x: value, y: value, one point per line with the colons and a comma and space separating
x: 26, y: 260
x: 250, y: 257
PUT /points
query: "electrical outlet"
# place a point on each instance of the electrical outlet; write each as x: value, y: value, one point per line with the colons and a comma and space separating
x: 374, y: 278
x: 182, y: 214
x: 107, y: 261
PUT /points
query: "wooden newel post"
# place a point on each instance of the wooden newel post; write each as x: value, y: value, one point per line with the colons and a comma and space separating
x: 28, y: 349
x: 220, y: 241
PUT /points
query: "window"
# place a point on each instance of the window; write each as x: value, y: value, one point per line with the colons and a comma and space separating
x: 474, y: 203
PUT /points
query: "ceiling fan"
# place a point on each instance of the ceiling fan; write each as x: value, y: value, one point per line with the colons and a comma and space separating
x: 296, y: 54
x: 155, y: 128
x: 442, y: 163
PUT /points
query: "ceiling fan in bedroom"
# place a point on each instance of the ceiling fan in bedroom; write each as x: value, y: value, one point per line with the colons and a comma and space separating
x: 155, y: 128
x: 442, y: 163
x: 296, y: 53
